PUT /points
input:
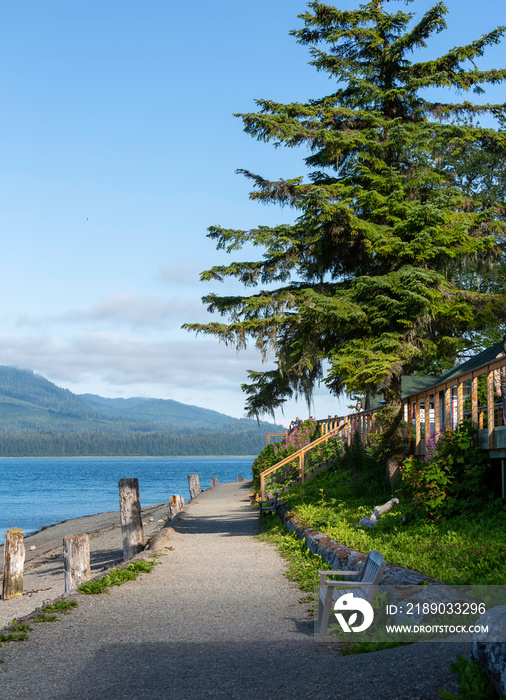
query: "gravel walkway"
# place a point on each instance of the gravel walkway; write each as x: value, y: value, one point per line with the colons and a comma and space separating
x: 216, y: 619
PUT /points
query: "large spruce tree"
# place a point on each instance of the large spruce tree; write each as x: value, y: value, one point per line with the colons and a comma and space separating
x: 399, y: 215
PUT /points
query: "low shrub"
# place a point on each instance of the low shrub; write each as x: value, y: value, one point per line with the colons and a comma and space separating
x: 474, y: 684
x: 450, y: 479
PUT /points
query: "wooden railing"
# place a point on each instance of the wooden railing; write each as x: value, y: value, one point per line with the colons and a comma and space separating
x: 299, y: 457
x: 268, y: 436
x: 445, y: 402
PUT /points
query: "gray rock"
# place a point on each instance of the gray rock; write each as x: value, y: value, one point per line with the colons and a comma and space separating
x: 492, y: 655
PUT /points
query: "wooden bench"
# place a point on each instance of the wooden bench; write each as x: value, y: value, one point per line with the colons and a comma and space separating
x: 269, y: 506
x: 365, y: 587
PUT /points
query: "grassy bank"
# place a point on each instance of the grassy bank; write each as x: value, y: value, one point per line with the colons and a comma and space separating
x: 447, y: 525
x: 463, y: 549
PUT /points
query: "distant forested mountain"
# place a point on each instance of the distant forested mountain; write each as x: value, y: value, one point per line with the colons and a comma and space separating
x: 37, y: 418
x: 165, y: 411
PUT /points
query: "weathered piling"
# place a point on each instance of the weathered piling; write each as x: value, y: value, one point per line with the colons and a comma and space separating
x: 214, y: 482
x: 130, y: 514
x: 176, y: 505
x: 14, y: 561
x: 239, y: 478
x: 76, y: 561
x: 194, y: 485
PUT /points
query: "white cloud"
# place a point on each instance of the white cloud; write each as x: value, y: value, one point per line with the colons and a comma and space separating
x: 124, y: 309
x: 122, y: 360
x: 198, y: 371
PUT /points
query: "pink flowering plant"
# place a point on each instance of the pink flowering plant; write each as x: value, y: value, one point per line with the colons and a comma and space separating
x: 299, y: 437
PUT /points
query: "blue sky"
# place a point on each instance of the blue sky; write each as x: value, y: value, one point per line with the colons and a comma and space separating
x: 119, y: 149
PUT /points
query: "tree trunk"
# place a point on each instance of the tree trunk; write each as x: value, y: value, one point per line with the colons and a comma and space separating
x: 393, y: 442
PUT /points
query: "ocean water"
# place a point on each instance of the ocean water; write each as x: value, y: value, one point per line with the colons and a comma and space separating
x: 35, y: 493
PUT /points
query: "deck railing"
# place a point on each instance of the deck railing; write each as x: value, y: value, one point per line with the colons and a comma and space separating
x: 268, y: 436
x: 448, y: 403
x: 293, y: 466
x: 445, y: 403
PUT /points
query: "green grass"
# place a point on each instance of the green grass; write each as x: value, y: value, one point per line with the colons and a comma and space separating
x: 302, y: 565
x: 18, y: 632
x: 61, y: 606
x: 116, y: 577
x: 47, y: 613
x: 461, y: 550
x: 14, y: 637
x: 44, y: 617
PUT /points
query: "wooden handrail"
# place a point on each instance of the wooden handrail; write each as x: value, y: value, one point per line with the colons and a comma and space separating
x: 297, y: 455
x: 445, y: 405
x: 269, y: 435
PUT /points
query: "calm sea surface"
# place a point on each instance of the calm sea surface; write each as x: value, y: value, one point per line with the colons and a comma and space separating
x: 38, y: 492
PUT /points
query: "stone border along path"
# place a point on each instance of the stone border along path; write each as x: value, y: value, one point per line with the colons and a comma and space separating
x: 216, y: 619
x: 341, y: 557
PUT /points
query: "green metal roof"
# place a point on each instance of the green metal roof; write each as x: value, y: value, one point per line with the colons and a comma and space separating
x: 480, y: 359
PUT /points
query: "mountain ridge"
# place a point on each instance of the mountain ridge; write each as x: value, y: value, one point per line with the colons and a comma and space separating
x: 37, y: 418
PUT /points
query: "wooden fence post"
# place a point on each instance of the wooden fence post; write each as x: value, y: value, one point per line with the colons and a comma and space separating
x: 176, y: 505
x: 14, y: 560
x: 76, y: 561
x: 194, y: 485
x: 448, y: 408
x: 437, y: 414
x: 130, y: 514
x: 460, y: 402
x: 214, y: 482
x: 418, y: 425
x: 490, y: 410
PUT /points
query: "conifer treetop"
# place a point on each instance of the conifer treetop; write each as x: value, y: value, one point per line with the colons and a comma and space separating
x: 403, y: 205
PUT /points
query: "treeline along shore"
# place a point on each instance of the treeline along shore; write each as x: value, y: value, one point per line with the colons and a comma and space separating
x: 37, y: 444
